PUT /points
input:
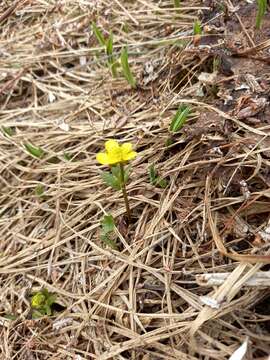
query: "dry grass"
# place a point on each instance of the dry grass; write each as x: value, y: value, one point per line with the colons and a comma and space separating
x: 143, y: 301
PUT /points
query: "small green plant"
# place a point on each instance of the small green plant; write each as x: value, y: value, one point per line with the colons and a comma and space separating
x: 107, y: 231
x: 108, y: 46
x: 34, y: 150
x: 126, y: 69
x: 41, y: 303
x: 180, y: 118
x: 116, y: 156
x: 155, y: 179
x: 262, y: 7
x: 8, y: 131
x: 67, y: 156
x: 177, y: 3
x: 39, y: 190
x: 197, y: 28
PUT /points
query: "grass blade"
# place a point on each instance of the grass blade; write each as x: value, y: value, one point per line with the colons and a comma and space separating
x: 126, y: 69
x: 98, y: 35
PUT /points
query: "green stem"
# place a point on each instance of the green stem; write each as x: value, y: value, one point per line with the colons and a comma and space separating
x: 124, y: 191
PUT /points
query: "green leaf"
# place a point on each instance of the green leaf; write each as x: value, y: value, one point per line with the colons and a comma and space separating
x: 98, y: 35
x: 197, y: 28
x: 163, y: 183
x: 180, y: 118
x: 109, y: 241
x: 262, y: 7
x: 39, y: 190
x: 34, y: 151
x: 6, y: 130
x: 152, y: 174
x: 107, y: 224
x: 111, y: 180
x: 67, y: 156
x: 126, y: 69
x: 155, y: 179
x: 109, y: 46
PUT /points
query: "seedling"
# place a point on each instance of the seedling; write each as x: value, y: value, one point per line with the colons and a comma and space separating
x: 126, y: 69
x: 34, y: 151
x: 107, y: 231
x: 8, y: 131
x: 41, y: 303
x: 197, y: 28
x: 180, y: 118
x: 155, y: 179
x: 108, y: 46
x: 117, y: 156
x: 262, y: 7
x: 39, y: 190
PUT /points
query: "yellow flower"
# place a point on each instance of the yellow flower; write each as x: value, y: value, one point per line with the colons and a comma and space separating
x: 38, y: 300
x: 116, y: 153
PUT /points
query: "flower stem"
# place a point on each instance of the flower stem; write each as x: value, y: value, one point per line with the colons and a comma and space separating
x: 124, y: 191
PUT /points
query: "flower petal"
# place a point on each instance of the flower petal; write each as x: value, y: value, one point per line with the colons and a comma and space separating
x: 126, y: 148
x: 129, y: 156
x: 103, y: 158
x: 112, y: 146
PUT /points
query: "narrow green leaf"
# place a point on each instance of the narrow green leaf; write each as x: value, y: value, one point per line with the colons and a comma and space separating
x: 109, y: 45
x: 34, y: 151
x: 67, y: 156
x: 197, y: 28
x: 98, y: 35
x: 180, y: 118
x: 262, y: 7
x: 126, y: 69
x: 152, y: 174
x: 6, y: 130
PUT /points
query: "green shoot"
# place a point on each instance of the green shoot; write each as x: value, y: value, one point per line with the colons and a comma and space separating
x: 180, y: 118
x: 113, y: 178
x: 107, y: 230
x: 8, y: 131
x: 126, y: 69
x: 39, y: 190
x: 155, y: 179
x: 177, y: 3
x: 42, y: 302
x: 108, y: 45
x: 67, y: 156
x: 34, y: 151
x: 262, y: 7
x: 98, y: 35
x: 109, y: 51
x: 197, y: 28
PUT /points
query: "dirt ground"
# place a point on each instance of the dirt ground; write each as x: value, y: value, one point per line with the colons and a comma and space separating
x: 188, y: 277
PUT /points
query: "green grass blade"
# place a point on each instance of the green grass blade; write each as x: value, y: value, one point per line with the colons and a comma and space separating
x: 34, y: 151
x: 180, y: 118
x: 98, y: 35
x: 125, y: 67
x: 197, y: 28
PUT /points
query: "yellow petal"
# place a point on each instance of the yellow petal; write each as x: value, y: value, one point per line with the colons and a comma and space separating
x: 111, y: 146
x: 129, y: 156
x: 126, y: 148
x: 103, y: 158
